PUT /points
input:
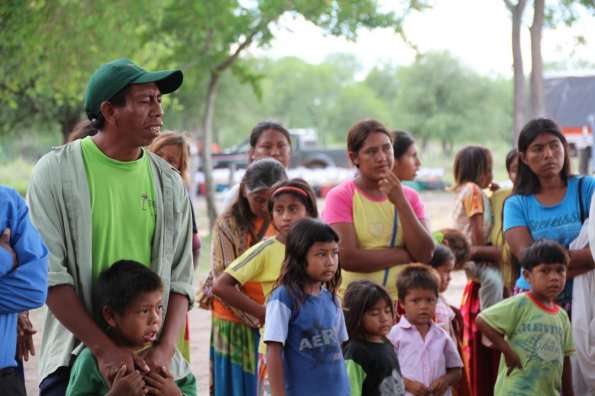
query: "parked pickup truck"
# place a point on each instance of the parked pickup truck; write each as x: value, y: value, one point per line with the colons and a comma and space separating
x: 303, y: 153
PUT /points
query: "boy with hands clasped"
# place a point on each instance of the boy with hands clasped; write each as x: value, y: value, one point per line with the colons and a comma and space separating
x: 531, y: 330
x: 130, y: 299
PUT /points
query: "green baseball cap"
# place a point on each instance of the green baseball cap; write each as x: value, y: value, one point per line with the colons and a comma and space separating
x: 110, y: 78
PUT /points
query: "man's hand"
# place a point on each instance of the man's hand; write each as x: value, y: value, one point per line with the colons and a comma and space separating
x: 5, y: 243
x: 158, y: 356
x: 111, y: 360
x: 161, y: 383
x: 25, y: 333
x: 127, y: 384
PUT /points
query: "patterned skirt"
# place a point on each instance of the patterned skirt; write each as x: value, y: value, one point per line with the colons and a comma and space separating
x: 233, y: 355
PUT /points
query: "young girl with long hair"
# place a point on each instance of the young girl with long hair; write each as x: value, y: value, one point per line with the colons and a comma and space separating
x: 472, y: 215
x: 174, y: 148
x: 305, y: 325
x: 289, y: 202
x: 371, y: 361
x: 234, y: 333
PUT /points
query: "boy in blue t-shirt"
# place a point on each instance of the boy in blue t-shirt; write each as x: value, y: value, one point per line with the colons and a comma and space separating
x: 531, y: 330
x: 129, y: 296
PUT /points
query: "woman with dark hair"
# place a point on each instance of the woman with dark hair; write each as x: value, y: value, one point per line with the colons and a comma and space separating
x: 378, y: 227
x: 268, y: 139
x: 407, y: 164
x: 548, y: 202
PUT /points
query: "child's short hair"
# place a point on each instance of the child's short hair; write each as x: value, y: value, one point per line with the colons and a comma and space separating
x: 458, y: 243
x: 544, y: 251
x: 442, y: 253
x: 359, y: 297
x: 121, y: 283
x: 417, y: 276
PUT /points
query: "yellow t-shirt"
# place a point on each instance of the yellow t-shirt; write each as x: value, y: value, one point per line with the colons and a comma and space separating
x: 261, y: 263
x: 375, y: 222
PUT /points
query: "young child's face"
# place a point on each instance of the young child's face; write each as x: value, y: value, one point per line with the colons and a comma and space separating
x: 444, y: 271
x: 377, y: 321
x: 141, y: 321
x: 547, y: 280
x: 323, y: 261
x: 287, y: 209
x: 172, y: 153
x: 419, y: 306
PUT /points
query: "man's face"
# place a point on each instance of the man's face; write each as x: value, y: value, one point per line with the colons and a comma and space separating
x: 139, y: 121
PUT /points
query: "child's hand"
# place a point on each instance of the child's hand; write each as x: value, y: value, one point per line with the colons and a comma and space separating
x: 512, y: 361
x: 127, y: 384
x: 416, y: 388
x: 162, y: 384
x: 439, y: 387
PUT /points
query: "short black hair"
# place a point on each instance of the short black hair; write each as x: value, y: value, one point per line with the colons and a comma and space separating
x: 417, y: 276
x: 544, y: 251
x: 122, y: 282
x: 118, y: 100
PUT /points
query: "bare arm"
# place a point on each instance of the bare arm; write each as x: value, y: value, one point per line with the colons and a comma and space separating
x: 275, y: 368
x: 581, y: 260
x: 66, y: 305
x: 510, y: 356
x: 366, y: 260
x: 224, y: 287
x: 567, y: 389
x: 479, y: 250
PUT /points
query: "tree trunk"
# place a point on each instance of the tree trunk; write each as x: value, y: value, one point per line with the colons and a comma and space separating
x: 207, y: 138
x: 537, y: 90
x: 519, y: 104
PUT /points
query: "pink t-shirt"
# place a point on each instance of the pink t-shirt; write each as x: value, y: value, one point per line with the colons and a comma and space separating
x: 416, y: 203
x: 339, y: 203
x: 423, y: 360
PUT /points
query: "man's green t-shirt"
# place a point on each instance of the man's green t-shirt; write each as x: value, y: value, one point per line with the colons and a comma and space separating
x: 123, y: 208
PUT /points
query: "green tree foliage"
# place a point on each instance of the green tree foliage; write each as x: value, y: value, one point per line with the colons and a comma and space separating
x: 441, y: 99
x: 49, y: 50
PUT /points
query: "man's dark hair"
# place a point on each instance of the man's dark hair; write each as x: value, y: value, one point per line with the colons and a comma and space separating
x: 118, y: 100
x: 121, y: 283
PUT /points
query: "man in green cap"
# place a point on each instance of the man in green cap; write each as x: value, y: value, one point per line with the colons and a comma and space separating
x: 102, y: 199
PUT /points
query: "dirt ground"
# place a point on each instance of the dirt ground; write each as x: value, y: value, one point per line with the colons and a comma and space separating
x: 438, y: 206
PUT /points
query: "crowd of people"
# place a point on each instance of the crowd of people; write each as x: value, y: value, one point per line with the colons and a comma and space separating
x: 346, y: 301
